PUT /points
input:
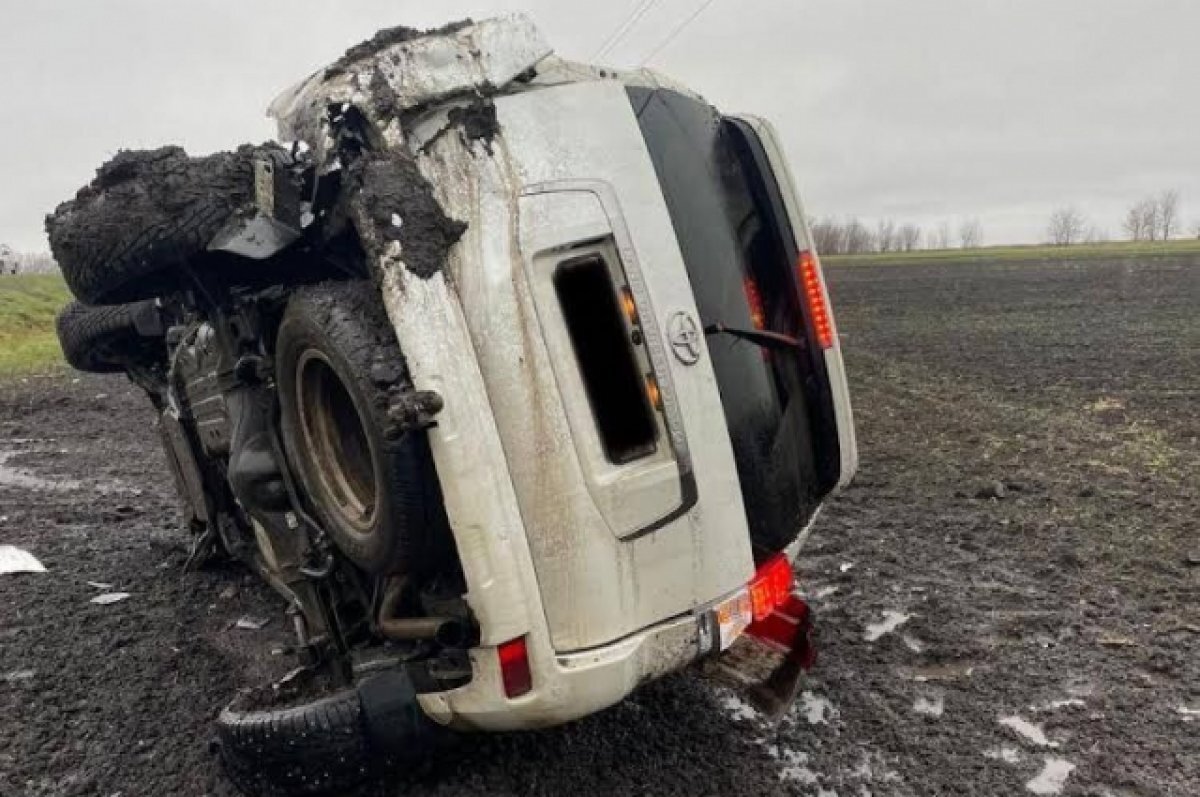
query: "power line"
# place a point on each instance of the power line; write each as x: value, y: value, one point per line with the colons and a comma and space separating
x: 622, y: 30
x: 678, y: 30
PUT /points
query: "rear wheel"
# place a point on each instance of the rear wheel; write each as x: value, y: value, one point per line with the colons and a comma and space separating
x: 339, y: 370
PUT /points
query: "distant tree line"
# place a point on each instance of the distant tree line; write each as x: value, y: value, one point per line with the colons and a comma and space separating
x: 852, y: 236
x: 13, y: 262
x: 1155, y: 218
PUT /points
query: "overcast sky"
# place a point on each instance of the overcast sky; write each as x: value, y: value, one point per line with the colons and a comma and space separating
x: 917, y: 110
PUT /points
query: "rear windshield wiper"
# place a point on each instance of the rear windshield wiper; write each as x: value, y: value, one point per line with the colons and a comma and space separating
x: 759, y: 337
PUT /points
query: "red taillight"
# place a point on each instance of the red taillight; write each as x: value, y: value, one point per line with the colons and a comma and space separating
x: 771, y: 586
x: 514, y: 667
x: 814, y: 298
x: 758, y: 316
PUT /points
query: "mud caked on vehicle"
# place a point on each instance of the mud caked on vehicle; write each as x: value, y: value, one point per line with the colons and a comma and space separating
x: 516, y: 377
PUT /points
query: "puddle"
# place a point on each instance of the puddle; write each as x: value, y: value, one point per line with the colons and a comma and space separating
x: 1032, y: 733
x: 19, y: 477
x: 890, y: 622
x: 1052, y: 778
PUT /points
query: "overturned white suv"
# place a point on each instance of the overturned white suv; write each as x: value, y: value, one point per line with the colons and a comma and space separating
x: 517, y: 377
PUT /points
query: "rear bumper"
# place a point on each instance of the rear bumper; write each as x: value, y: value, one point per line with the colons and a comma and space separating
x: 565, y: 687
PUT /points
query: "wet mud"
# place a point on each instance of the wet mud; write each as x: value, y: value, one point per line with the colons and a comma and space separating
x: 1051, y: 629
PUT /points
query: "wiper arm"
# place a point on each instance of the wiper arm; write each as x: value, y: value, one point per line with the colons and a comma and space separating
x: 759, y: 337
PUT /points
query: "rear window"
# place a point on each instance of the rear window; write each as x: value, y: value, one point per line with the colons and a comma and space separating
x: 741, y: 257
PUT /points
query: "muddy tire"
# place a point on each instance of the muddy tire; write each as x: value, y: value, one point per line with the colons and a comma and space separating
x: 372, y: 486
x: 104, y: 340
x: 317, y: 749
x: 129, y: 233
x: 328, y: 747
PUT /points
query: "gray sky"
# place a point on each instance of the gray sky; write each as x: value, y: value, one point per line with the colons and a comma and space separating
x: 918, y: 110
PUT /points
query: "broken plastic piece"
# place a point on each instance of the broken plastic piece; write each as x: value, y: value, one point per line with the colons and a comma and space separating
x: 18, y: 560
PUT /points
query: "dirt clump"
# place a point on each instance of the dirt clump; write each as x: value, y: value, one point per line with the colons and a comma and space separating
x: 389, y: 199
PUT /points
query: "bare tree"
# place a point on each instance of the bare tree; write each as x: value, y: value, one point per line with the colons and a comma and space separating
x: 858, y: 238
x: 1066, y: 226
x: 1133, y: 223
x: 828, y: 236
x: 970, y: 233
x: 942, y: 238
x: 37, y: 263
x: 14, y: 262
x: 909, y: 237
x: 1168, y: 213
x: 1096, y: 235
x: 1143, y: 220
x: 885, y: 236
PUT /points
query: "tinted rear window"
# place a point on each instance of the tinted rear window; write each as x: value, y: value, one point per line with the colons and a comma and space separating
x: 731, y: 229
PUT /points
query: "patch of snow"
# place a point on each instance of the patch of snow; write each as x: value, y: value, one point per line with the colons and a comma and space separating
x: 825, y: 592
x: 817, y: 710
x: 794, y: 769
x: 913, y: 644
x: 930, y: 707
x: 109, y: 597
x: 1055, y: 705
x: 1052, y: 778
x: 1028, y: 730
x: 738, y: 708
x: 1189, y: 712
x: 99, y: 585
x: 890, y: 622
x: 1009, y: 755
x: 396, y: 220
x: 845, y: 567
x: 248, y: 623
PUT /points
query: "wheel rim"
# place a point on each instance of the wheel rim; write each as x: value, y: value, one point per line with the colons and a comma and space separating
x: 336, y: 442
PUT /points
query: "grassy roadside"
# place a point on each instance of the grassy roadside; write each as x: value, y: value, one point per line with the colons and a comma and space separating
x: 991, y: 254
x: 28, y: 304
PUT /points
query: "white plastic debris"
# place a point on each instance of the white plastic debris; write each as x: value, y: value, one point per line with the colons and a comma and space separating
x: 1032, y: 733
x: 18, y: 560
x: 397, y: 221
x: 248, y: 623
x: 890, y: 622
x: 109, y: 597
x: 1052, y: 778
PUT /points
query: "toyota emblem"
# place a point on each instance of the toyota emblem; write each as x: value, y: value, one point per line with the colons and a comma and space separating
x: 683, y: 333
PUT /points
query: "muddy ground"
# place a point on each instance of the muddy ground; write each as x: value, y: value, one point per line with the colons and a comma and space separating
x: 1008, y: 595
